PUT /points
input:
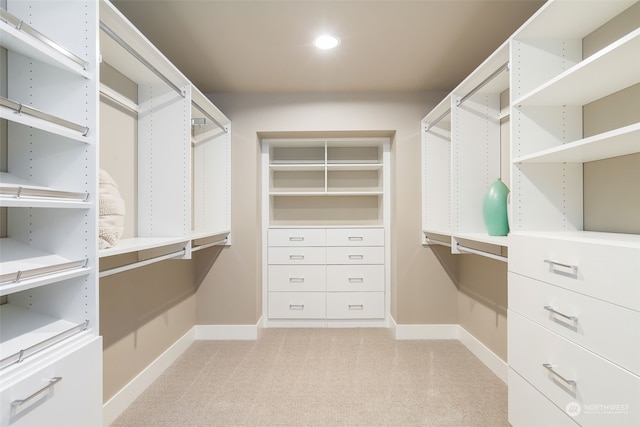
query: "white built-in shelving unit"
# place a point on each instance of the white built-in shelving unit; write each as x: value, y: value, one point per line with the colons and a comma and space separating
x: 49, y: 343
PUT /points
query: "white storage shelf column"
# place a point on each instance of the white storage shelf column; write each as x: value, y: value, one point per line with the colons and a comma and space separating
x: 572, y: 291
x: 49, y: 343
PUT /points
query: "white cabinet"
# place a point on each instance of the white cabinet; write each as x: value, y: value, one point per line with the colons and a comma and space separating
x: 48, y: 204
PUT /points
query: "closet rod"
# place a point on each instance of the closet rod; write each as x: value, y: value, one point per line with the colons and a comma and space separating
x: 436, y: 121
x: 431, y: 241
x: 105, y: 273
x: 199, y: 108
x: 118, y: 98
x: 493, y: 75
x: 464, y: 249
x: 20, y: 25
x: 208, y: 245
x: 139, y: 57
x: 21, y: 108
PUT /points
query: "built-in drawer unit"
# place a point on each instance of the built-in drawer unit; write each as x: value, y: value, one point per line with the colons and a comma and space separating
x: 568, y: 374
x: 297, y: 237
x: 529, y: 408
x: 607, y: 272
x: 297, y: 305
x: 355, y: 237
x: 355, y: 255
x: 355, y: 278
x: 297, y: 255
x: 355, y: 305
x: 604, y: 328
x: 56, y: 389
x: 297, y: 278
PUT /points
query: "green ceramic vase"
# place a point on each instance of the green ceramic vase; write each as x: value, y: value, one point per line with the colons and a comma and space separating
x: 494, y: 209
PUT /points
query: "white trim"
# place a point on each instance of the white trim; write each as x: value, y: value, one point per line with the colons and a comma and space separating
x: 130, y: 392
x: 228, y: 332
x: 425, y: 332
x: 486, y: 356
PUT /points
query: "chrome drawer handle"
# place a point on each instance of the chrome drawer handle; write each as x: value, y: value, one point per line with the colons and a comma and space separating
x: 296, y: 257
x: 356, y: 279
x: 356, y: 306
x: 356, y: 256
x: 550, y: 368
x: 556, y: 312
x: 296, y: 279
x: 296, y: 238
x: 552, y: 264
x: 356, y: 238
x: 296, y: 306
x: 53, y: 381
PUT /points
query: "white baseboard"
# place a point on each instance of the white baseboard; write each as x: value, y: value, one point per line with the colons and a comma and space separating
x: 228, y: 332
x: 130, y: 392
x: 486, y: 356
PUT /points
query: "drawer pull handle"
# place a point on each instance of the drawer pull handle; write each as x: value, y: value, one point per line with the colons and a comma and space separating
x: 296, y: 238
x: 549, y: 367
x: 296, y: 279
x: 358, y: 256
x: 356, y: 238
x: 296, y: 257
x: 564, y: 316
x: 296, y: 306
x: 552, y: 264
x: 53, y: 381
x: 356, y: 306
x: 356, y: 279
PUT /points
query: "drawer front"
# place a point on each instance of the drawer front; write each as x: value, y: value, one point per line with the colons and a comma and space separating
x: 297, y: 255
x: 607, y: 272
x: 355, y: 278
x: 300, y: 278
x: 296, y: 237
x: 297, y: 305
x: 355, y: 237
x: 65, y: 392
x: 607, y: 395
x: 355, y: 255
x: 529, y: 408
x: 355, y: 305
x: 606, y: 329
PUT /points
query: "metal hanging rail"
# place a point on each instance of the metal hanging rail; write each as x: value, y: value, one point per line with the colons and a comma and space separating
x: 199, y: 108
x: 140, y: 58
x: 493, y: 75
x: 21, y: 108
x: 179, y: 254
x: 119, y: 99
x: 437, y: 120
x: 464, y: 249
x: 20, y: 25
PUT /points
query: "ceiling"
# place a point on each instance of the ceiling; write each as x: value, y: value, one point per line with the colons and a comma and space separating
x: 265, y: 46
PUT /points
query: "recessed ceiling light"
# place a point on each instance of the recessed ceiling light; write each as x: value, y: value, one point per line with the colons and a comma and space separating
x: 326, y: 41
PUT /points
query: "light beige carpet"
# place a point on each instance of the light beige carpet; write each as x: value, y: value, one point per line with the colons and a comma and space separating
x: 323, y: 377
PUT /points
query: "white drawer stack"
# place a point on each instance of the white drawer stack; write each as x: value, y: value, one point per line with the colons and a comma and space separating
x: 326, y: 273
x: 574, y: 331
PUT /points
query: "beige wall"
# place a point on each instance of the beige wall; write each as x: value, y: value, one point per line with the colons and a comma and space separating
x: 422, y: 291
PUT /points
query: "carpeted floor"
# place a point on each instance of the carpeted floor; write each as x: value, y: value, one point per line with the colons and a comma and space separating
x: 323, y: 377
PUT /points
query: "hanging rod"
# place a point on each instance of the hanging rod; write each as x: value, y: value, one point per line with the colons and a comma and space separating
x: 118, y: 98
x: 436, y: 121
x: 20, y: 25
x: 104, y: 273
x: 431, y: 241
x: 199, y: 108
x: 139, y: 57
x: 208, y: 245
x: 21, y: 108
x: 493, y: 75
x: 465, y: 249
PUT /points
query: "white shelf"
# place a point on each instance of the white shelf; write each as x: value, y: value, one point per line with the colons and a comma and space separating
x: 354, y: 166
x: 20, y: 192
x: 582, y: 83
x: 47, y: 126
x: 204, y: 239
x: 327, y: 193
x: 484, y: 238
x: 293, y: 167
x: 136, y: 244
x: 26, y: 44
x: 618, y: 142
x: 591, y: 237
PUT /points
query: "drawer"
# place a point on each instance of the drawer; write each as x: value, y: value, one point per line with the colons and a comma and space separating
x: 355, y: 278
x: 297, y: 305
x: 295, y: 255
x: 606, y: 394
x: 607, y: 272
x: 529, y: 408
x: 297, y: 278
x: 355, y: 237
x: 67, y: 391
x: 607, y: 329
x: 355, y: 305
x: 355, y: 255
x: 296, y: 237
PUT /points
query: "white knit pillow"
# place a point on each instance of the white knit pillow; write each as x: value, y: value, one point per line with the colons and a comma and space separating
x: 111, y: 211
